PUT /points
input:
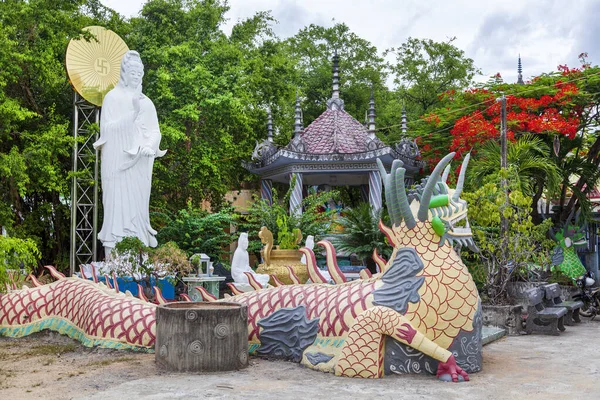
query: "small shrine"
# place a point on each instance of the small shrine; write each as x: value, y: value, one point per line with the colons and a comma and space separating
x: 335, y: 150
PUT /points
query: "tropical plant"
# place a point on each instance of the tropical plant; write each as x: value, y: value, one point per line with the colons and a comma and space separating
x: 361, y: 233
x: 16, y: 255
x: 198, y: 231
x: 145, y: 265
x: 525, y: 249
x: 315, y: 220
x: 532, y: 171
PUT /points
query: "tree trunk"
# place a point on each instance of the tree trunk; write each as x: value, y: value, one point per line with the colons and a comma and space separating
x: 201, y: 337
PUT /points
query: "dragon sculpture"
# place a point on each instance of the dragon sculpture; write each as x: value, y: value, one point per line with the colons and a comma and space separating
x: 565, y: 257
x: 420, y: 314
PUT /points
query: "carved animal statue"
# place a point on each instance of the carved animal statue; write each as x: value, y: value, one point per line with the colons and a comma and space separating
x: 424, y: 300
x: 420, y: 314
x: 82, y: 309
x: 565, y: 257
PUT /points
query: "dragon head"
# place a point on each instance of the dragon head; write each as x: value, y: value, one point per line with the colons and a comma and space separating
x: 432, y: 203
x: 447, y: 211
x: 572, y: 235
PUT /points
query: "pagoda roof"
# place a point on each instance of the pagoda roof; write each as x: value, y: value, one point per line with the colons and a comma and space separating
x: 336, y: 132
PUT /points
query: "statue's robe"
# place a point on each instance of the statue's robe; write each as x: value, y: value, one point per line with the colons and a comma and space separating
x: 125, y: 129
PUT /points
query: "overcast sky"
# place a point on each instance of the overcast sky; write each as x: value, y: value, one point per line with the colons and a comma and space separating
x: 545, y: 32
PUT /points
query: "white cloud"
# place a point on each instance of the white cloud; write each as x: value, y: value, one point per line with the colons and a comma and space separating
x: 545, y: 32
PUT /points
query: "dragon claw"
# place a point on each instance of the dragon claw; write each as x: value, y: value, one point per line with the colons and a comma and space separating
x: 406, y: 334
x: 450, y: 369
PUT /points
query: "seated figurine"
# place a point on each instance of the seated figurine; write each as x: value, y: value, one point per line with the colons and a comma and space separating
x: 241, y: 264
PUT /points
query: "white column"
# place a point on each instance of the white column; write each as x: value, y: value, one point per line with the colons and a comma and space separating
x: 296, y: 196
x: 375, y: 190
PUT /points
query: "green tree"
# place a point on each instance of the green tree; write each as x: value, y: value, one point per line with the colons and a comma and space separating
x: 35, y: 117
x: 424, y: 69
x: 528, y: 247
x: 210, y: 91
x: 361, y: 66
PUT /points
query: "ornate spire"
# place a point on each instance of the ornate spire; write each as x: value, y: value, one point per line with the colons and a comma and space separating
x: 372, y: 116
x: 269, y: 125
x: 404, y: 129
x: 336, y: 75
x: 298, y: 127
x: 520, y: 72
x: 335, y: 103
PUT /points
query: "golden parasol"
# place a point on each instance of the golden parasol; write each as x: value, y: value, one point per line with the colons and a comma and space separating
x: 94, y: 66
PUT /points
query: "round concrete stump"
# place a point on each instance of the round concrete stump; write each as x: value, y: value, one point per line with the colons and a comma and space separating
x: 201, y: 337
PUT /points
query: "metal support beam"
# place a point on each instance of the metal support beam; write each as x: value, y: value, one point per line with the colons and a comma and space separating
x: 84, y: 189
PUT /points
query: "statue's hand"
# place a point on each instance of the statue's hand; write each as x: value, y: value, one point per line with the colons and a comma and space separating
x: 148, y: 152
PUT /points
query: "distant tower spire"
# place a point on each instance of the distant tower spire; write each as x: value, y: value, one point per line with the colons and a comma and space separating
x: 298, y: 127
x: 335, y: 102
x: 269, y: 125
x: 371, y: 115
x: 404, y: 129
x: 520, y: 71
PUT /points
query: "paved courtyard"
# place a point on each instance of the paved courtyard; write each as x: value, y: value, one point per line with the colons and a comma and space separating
x: 524, y: 367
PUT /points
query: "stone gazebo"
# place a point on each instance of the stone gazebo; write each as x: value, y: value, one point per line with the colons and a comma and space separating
x: 335, y: 149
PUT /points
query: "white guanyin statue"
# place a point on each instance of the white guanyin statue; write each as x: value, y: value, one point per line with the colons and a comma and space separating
x: 129, y: 142
x: 241, y: 264
x: 309, y: 244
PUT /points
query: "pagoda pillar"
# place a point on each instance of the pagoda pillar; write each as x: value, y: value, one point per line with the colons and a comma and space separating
x: 296, y: 196
x: 375, y: 190
x: 266, y: 190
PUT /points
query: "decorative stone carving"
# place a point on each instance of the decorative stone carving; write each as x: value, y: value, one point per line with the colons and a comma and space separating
x: 129, y: 143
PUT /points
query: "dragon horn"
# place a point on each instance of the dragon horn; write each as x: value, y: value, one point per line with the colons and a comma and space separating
x: 54, y: 272
x: 389, y: 198
x: 566, y: 228
x: 159, y: 298
x: 461, y: 178
x: 205, y: 294
x: 311, y: 264
x: 276, y: 281
x: 445, y: 174
x: 252, y: 281
x: 185, y: 297
x: 400, y: 196
x: 292, y: 275
x: 423, y: 213
x: 141, y: 294
x: 233, y: 288
x: 332, y: 265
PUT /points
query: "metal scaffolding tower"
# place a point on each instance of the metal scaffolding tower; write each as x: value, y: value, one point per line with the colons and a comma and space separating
x: 84, y: 190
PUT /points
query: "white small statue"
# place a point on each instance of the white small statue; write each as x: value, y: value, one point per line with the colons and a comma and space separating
x: 310, y: 244
x: 241, y: 264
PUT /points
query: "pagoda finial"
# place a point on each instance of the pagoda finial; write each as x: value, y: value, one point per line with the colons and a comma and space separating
x: 335, y: 103
x: 269, y: 125
x: 520, y: 72
x: 372, y: 115
x: 404, y: 129
x: 336, y: 76
x: 298, y: 127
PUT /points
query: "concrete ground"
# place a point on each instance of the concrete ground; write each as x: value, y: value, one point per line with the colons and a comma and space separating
x: 522, y: 367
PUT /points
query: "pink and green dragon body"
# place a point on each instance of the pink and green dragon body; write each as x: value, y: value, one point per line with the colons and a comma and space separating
x: 420, y: 314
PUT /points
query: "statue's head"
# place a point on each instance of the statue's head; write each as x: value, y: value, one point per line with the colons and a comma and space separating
x: 132, y: 71
x: 243, y: 241
x: 310, y: 242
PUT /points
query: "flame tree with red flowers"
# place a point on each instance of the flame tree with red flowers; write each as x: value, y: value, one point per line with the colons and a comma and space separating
x: 561, y: 109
